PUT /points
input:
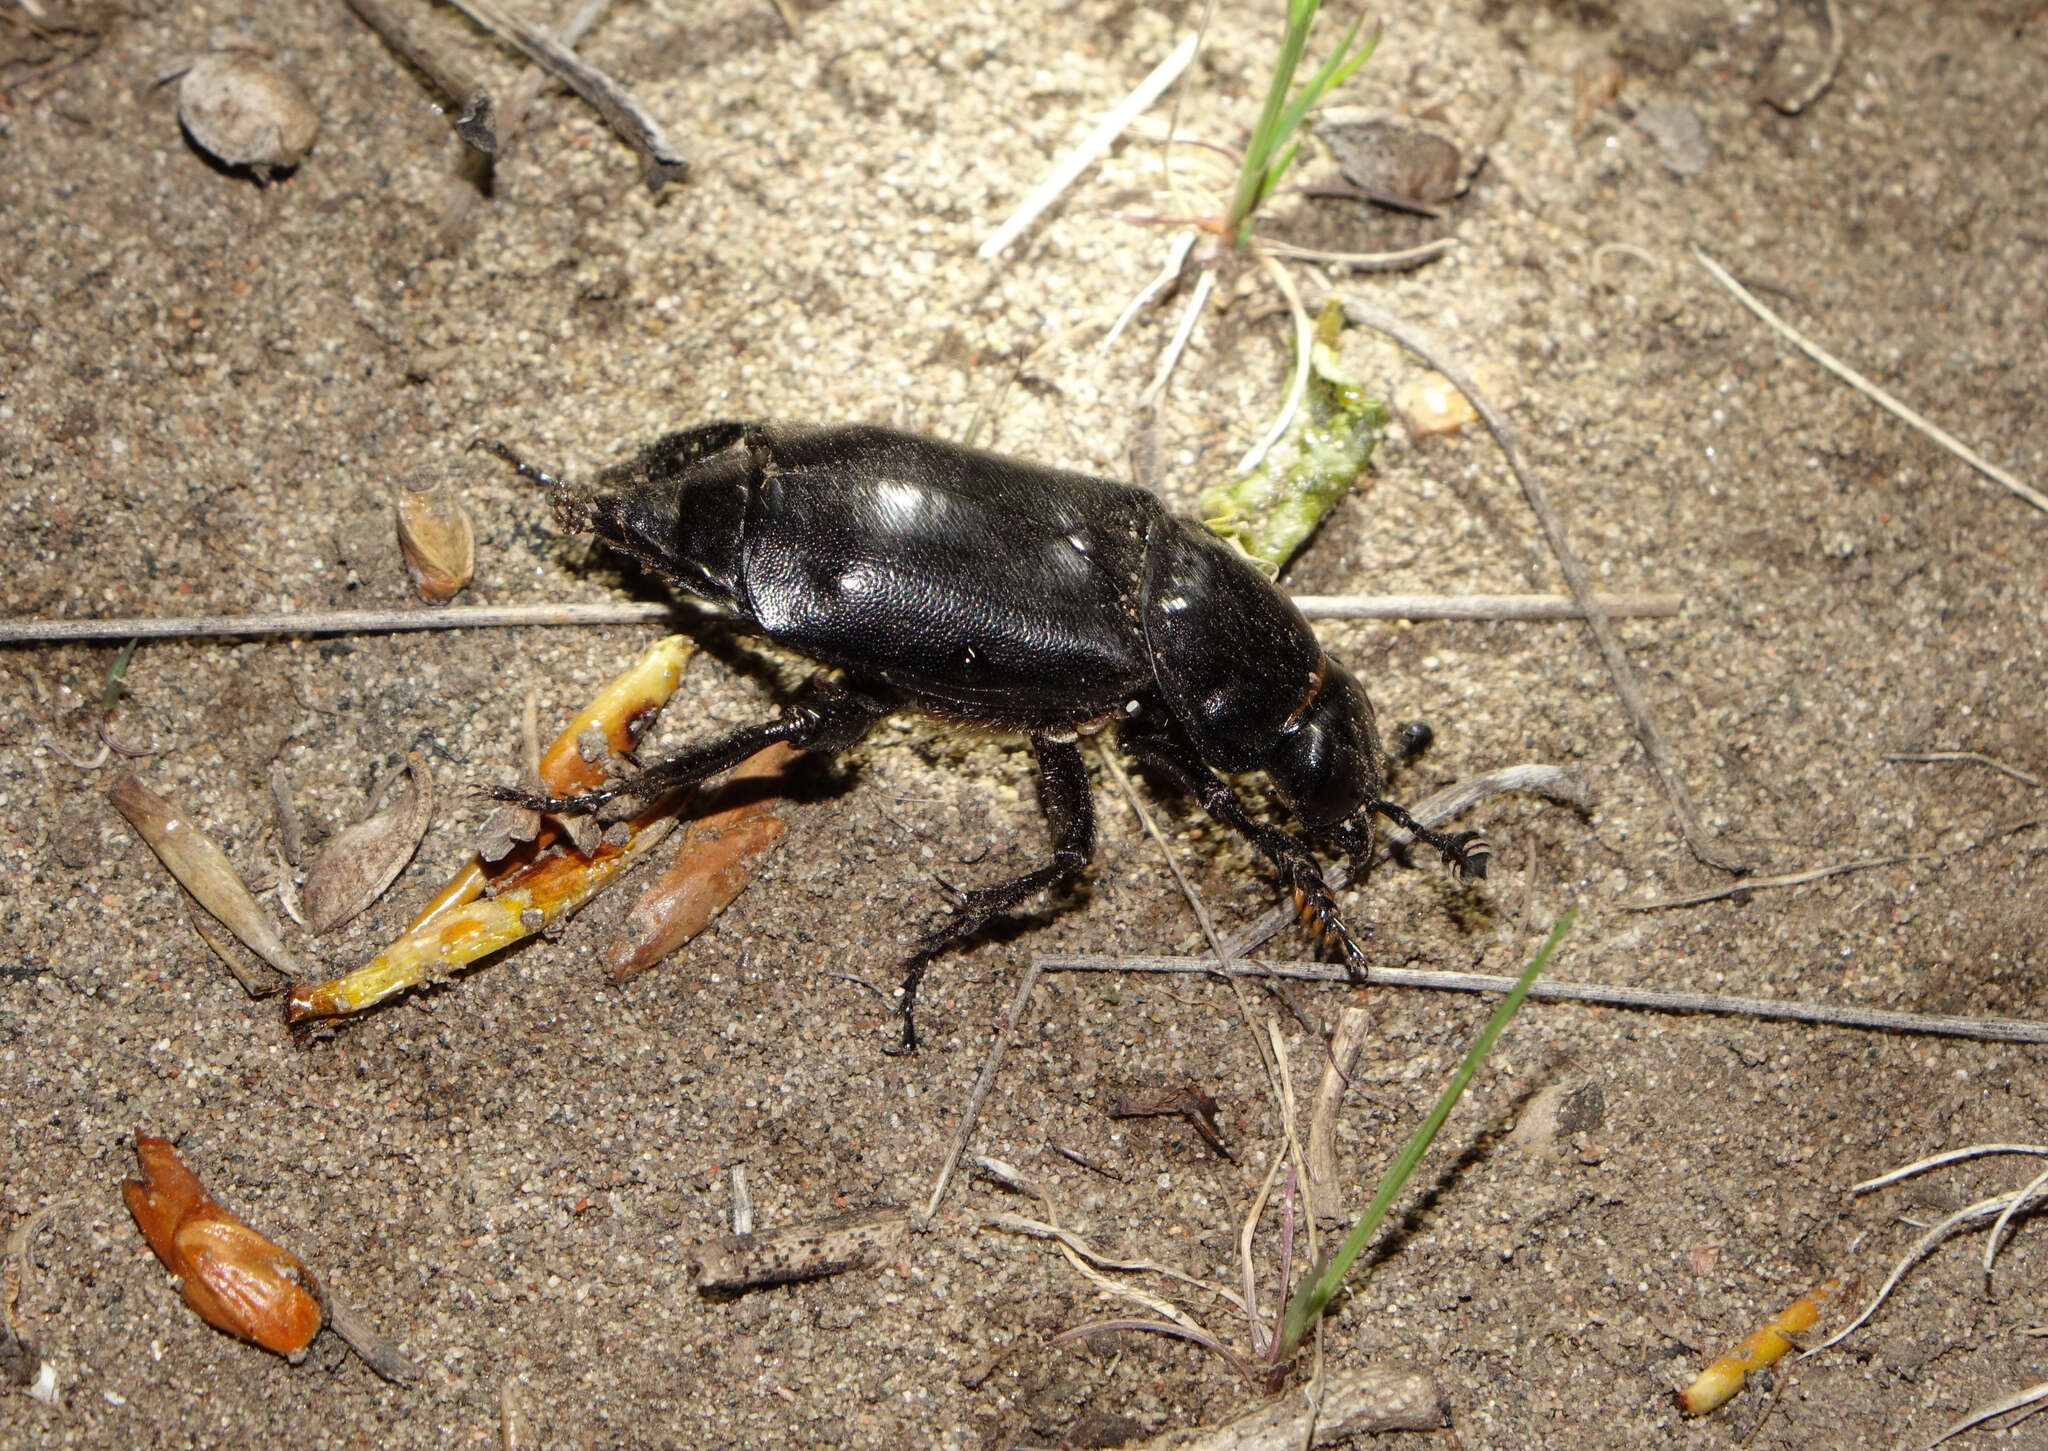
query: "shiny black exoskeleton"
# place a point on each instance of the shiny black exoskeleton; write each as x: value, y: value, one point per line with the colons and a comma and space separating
x: 988, y: 590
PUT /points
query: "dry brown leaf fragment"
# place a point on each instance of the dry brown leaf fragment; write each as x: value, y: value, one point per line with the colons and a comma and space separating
x: 713, y: 866
x: 204, y: 871
x: 233, y: 1277
x: 439, y: 541
x: 1186, y: 1099
x: 357, y: 863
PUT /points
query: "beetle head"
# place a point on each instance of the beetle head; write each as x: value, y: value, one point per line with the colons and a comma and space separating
x: 1329, y: 763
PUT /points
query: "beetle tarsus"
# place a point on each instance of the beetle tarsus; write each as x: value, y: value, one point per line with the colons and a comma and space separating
x: 1466, y: 851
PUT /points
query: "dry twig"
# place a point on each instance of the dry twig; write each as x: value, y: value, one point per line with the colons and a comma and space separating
x: 474, y: 175
x: 644, y: 612
x: 1703, y: 846
x: 477, y: 122
x: 979, y: 1096
x: 1974, y: 757
x: 1795, y: 879
x: 1867, y: 388
x: 660, y: 162
x: 1989, y: 1030
x: 1098, y: 141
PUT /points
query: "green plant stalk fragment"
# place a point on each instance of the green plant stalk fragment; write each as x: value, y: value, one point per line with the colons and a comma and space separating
x: 1270, y: 512
x: 117, y: 677
x: 1309, y: 1301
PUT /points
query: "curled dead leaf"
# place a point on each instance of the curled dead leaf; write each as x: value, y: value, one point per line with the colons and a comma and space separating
x: 359, y: 862
x: 233, y: 1277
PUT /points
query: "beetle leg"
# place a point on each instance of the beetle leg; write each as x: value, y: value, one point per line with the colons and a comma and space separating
x: 1466, y: 850
x: 1295, y: 863
x: 1069, y: 806
x: 826, y: 716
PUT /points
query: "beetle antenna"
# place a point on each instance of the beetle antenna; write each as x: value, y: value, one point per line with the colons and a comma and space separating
x: 571, y: 512
x: 1466, y: 850
x: 527, y: 470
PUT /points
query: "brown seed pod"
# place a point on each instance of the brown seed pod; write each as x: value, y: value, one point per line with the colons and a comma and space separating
x: 233, y: 1277
x: 439, y: 542
x: 243, y: 111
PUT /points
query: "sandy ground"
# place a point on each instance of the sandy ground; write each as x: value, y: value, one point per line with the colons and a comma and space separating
x: 209, y: 389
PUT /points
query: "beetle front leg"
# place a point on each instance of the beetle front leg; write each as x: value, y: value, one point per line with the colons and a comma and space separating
x: 1069, y: 806
x: 825, y: 716
x: 1294, y: 861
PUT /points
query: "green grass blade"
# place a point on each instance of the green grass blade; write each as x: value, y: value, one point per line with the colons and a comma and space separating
x: 1266, y: 135
x: 1310, y: 1300
x: 1335, y: 71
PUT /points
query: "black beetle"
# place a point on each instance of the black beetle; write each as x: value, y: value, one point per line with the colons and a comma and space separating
x: 987, y: 590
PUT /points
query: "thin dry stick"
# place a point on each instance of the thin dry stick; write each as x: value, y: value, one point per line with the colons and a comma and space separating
x: 1304, y: 350
x: 660, y: 162
x: 1479, y: 607
x: 1950, y: 1156
x: 469, y: 186
x: 2034, y: 1396
x: 1345, y: 1045
x: 1922, y: 1247
x: 1403, y: 261
x: 1098, y: 141
x: 1169, y: 273
x: 1170, y: 359
x: 1869, y: 389
x: 1988, y: 1030
x: 1807, y: 94
x: 476, y: 124
x: 977, y: 1098
x: 1800, y: 878
x: 643, y: 612
x: 1974, y: 757
x: 1625, y: 684
x: 1758, y: 884
x: 1209, y: 934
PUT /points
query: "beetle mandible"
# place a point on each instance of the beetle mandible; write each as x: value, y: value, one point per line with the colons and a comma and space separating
x: 986, y: 590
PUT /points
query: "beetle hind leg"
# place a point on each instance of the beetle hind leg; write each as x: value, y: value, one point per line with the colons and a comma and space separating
x: 1070, y: 811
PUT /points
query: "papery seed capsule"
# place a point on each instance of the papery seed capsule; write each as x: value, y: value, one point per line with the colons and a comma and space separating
x: 243, y: 111
x: 438, y: 540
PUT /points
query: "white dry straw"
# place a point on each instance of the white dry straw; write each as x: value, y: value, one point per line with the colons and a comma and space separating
x: 1078, y: 160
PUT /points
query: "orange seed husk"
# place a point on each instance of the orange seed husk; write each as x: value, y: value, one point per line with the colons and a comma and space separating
x: 537, y: 884
x: 1720, y: 1382
x: 233, y: 1277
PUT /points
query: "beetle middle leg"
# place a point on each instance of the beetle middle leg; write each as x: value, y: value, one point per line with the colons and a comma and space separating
x: 1294, y: 861
x: 1069, y: 806
x: 825, y: 716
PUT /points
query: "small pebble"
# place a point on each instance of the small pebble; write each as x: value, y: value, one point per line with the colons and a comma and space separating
x: 243, y: 111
